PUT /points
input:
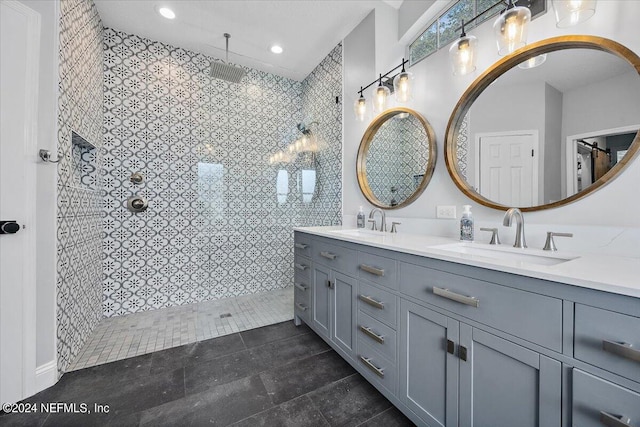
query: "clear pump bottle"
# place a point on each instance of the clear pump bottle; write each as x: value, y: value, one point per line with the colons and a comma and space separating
x: 466, y: 224
x: 361, y: 218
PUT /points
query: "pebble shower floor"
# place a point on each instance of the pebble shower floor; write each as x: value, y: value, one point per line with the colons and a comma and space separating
x: 132, y: 335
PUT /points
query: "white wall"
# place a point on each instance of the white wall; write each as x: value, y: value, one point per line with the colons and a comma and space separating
x: 437, y: 92
x: 46, y: 182
x: 553, y: 145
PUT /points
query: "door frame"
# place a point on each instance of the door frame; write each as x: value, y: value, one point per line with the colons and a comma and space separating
x: 30, y: 159
x: 571, y: 176
x: 535, y: 177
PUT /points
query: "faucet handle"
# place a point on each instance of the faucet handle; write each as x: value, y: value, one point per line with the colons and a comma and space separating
x: 495, y: 239
x: 550, y: 244
x: 393, y: 226
x: 374, y: 226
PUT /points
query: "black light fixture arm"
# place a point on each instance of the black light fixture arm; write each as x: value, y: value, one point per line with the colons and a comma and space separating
x: 379, y: 79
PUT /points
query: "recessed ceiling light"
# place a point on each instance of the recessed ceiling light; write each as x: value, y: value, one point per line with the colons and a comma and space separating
x: 166, y: 12
x: 276, y: 49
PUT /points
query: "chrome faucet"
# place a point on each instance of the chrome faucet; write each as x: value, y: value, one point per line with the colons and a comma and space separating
x: 383, y: 226
x: 508, y: 217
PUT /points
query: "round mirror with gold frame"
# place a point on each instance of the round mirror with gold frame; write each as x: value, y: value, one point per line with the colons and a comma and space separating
x: 396, y: 158
x: 547, y: 125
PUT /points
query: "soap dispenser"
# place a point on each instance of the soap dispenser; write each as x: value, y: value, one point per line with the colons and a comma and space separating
x: 361, y: 218
x: 466, y: 224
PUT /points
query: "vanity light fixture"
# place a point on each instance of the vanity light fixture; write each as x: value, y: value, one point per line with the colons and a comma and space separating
x: 462, y: 54
x: 572, y: 12
x: 511, y: 28
x: 380, y: 97
x: 401, y: 84
x: 360, y: 107
x: 166, y: 13
x: 276, y: 49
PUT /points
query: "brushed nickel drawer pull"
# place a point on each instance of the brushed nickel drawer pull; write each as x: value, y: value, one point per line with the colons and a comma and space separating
x: 367, y: 362
x: 301, y: 306
x: 614, y: 421
x: 367, y: 331
x: 371, y: 301
x: 328, y: 255
x: 372, y: 270
x: 463, y: 299
x: 300, y: 286
x: 621, y: 349
x: 301, y: 246
x: 301, y: 266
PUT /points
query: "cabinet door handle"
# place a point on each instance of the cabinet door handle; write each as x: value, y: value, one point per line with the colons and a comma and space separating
x: 372, y: 270
x: 621, y: 349
x: 300, y: 286
x: 328, y: 255
x: 451, y: 347
x: 463, y: 299
x: 371, y: 301
x: 301, y: 246
x: 367, y: 331
x: 367, y: 362
x: 301, y: 267
x: 329, y: 284
x: 301, y: 306
x: 614, y: 421
x: 462, y: 352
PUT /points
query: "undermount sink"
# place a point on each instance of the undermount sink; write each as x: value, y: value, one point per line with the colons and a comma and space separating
x: 529, y: 256
x: 359, y: 232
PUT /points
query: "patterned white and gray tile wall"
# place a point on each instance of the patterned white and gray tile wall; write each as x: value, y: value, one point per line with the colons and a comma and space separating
x: 80, y: 129
x: 397, y: 159
x: 214, y: 227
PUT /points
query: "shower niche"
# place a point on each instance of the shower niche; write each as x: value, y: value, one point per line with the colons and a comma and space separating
x: 83, y: 162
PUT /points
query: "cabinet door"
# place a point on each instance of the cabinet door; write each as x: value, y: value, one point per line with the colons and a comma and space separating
x: 504, y: 384
x: 343, y: 300
x: 428, y: 372
x: 320, y: 300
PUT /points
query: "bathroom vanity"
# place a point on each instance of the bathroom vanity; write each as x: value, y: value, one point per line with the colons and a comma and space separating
x: 454, y: 337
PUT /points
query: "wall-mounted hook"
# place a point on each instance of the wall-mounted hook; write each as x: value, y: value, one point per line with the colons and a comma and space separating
x: 45, y: 155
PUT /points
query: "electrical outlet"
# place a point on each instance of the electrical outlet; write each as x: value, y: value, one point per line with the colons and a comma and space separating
x: 446, y: 212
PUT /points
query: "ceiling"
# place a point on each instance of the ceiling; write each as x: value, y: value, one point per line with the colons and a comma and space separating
x: 307, y: 30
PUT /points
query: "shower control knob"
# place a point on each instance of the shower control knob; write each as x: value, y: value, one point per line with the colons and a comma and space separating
x: 9, y: 227
x: 137, y: 204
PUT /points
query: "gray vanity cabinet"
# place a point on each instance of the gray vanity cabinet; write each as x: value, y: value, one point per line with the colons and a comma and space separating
x: 428, y: 364
x: 504, y: 384
x: 454, y: 374
x: 334, y: 296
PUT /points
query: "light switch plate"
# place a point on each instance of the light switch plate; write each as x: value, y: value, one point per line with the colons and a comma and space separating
x: 446, y: 212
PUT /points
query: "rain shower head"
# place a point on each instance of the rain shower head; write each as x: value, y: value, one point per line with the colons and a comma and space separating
x: 224, y: 70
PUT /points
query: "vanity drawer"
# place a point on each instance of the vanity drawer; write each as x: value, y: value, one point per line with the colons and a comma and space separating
x: 378, y: 335
x: 302, y: 268
x: 378, y: 269
x: 336, y: 257
x: 377, y: 368
x: 302, y: 303
x: 302, y: 244
x: 377, y: 303
x: 599, y: 336
x: 530, y: 316
x: 595, y: 401
x: 302, y: 291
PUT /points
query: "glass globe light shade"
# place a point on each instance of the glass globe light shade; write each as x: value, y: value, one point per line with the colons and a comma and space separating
x: 403, y: 86
x: 380, y: 97
x: 360, y: 108
x: 462, y: 55
x: 573, y: 12
x: 511, y: 29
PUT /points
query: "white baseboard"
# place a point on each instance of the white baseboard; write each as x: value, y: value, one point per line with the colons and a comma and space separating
x: 46, y: 375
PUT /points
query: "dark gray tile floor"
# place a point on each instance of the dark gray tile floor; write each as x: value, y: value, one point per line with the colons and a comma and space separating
x: 278, y: 375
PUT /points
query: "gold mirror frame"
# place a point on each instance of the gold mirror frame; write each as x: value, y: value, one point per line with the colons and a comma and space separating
x: 506, y: 64
x: 361, y: 161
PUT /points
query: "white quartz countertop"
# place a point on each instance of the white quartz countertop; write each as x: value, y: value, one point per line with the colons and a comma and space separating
x: 609, y: 273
